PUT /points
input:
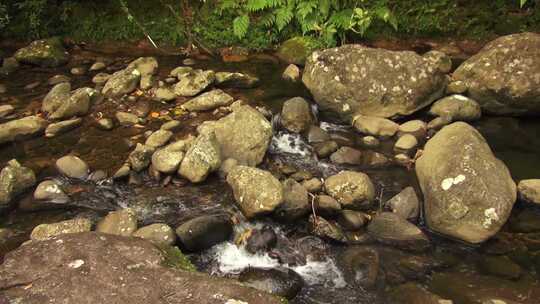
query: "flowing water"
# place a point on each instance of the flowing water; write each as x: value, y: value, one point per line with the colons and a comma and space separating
x: 454, y: 270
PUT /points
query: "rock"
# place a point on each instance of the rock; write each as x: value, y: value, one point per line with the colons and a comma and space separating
x: 405, y: 204
x: 61, y: 127
x: 375, y: 126
x: 180, y: 71
x: 168, y: 159
x: 127, y: 119
x: 59, y: 94
x: 296, y: 115
x: 122, y: 222
x: 346, y: 156
x: 301, y: 175
x: 194, y: 82
x: 204, y: 232
x: 78, y: 104
x: 158, y: 138
x: 355, y: 80
x: 165, y: 94
x: 56, y: 79
x: 406, y: 144
x: 456, y: 87
x: 202, y: 158
x: 73, y: 167
x: 291, y: 73
x: 208, y: 101
x: 45, y: 53
x: 283, y: 282
x: 256, y: 192
x: 172, y: 125
x: 3, y: 89
x: 361, y: 266
x: 503, y: 76
x: 372, y: 159
x: 101, y: 78
x: 351, y: 189
x: 468, y: 192
x: 121, y: 83
x: 227, y: 166
x: 327, y: 206
x: 417, y: 128
x: 141, y: 108
x: 119, y: 261
x: 189, y: 61
x: 324, y: 149
x: 389, y: 228
x: 145, y: 65
x: 46, y: 231
x: 141, y: 157
x: 317, y: 135
x: 411, y: 293
x: 6, y: 110
x: 296, y: 50
x: 370, y: 141
x: 9, y: 65
x: 98, y: 66
x: 147, y: 82
x: 14, y: 180
x: 500, y: 266
x: 440, y: 60
x: 160, y: 234
x: 295, y: 201
x: 236, y: 80
x: 352, y: 220
x: 78, y: 71
x: 324, y: 229
x: 313, y: 185
x: 261, y: 240
x: 456, y: 108
x: 529, y: 191
x: 21, y: 128
x: 438, y: 123
x: 50, y: 191
x: 243, y: 135
x: 105, y: 124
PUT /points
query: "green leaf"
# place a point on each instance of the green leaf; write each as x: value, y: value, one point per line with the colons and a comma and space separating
x: 283, y: 17
x: 240, y: 26
x: 522, y: 2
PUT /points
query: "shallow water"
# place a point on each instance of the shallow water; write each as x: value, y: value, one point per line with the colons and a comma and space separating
x: 515, y: 141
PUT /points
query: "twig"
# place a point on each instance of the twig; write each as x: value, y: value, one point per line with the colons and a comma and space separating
x: 125, y: 9
x: 380, y: 199
x: 313, y: 208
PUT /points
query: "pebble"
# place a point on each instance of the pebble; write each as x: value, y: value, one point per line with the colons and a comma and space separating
x: 105, y: 124
x: 98, y: 66
x: 56, y: 79
x: 32, y: 85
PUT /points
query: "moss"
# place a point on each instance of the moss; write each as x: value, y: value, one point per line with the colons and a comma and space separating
x: 174, y: 258
x: 297, y: 49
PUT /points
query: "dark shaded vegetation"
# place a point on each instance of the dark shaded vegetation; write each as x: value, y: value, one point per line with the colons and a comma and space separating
x: 261, y: 24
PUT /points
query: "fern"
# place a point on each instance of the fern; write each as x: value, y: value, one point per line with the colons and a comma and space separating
x: 241, y: 26
x: 283, y: 17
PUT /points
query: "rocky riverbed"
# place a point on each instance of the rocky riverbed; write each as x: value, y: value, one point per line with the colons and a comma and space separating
x: 365, y: 176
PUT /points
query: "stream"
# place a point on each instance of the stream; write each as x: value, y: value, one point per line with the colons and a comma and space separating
x: 450, y: 269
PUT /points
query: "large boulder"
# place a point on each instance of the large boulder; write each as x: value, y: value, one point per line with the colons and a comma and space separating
x: 257, y: 192
x: 456, y: 108
x: 353, y: 79
x: 504, y: 77
x: 14, y: 179
x: 468, y: 192
x: 203, y: 158
x: 194, y: 82
x: 21, y: 128
x: 97, y: 268
x: 243, y: 135
x: 45, y: 53
x: 296, y: 115
x: 77, y: 104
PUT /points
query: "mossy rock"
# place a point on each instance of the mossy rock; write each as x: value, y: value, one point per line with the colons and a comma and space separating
x: 297, y: 49
x: 174, y: 258
x: 45, y: 53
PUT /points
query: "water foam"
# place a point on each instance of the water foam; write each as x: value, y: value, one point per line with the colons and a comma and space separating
x: 283, y: 142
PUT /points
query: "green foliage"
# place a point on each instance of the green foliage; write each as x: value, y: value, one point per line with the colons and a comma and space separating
x: 174, y: 258
x: 4, y: 17
x: 329, y: 20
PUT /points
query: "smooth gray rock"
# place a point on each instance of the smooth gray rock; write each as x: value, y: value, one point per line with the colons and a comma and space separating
x: 58, y: 128
x: 204, y: 232
x: 22, y: 128
x: 73, y: 167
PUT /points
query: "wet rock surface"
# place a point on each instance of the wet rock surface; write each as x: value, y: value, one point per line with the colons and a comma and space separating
x: 115, y: 261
